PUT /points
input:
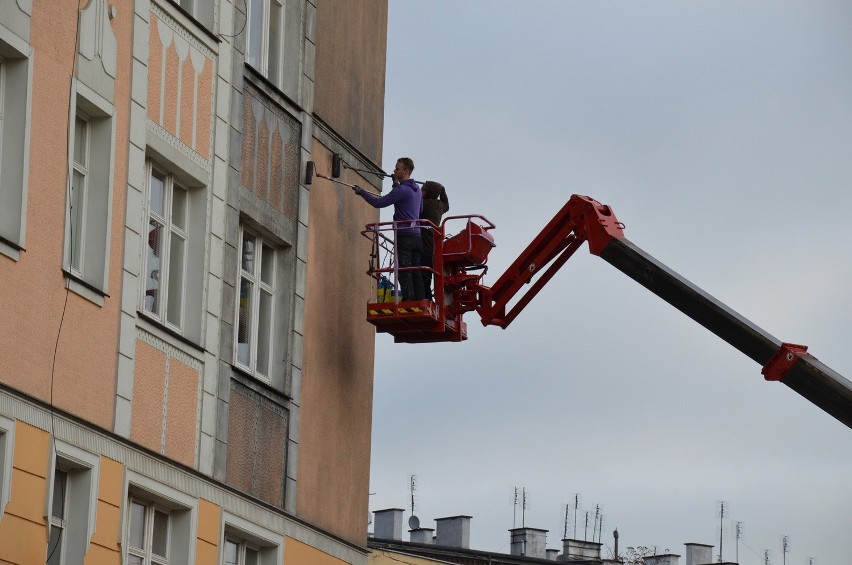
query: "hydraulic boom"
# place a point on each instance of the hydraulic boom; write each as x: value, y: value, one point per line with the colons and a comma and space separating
x: 460, y: 264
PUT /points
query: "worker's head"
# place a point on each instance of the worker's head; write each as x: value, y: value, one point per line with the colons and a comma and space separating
x: 404, y: 168
x: 432, y: 190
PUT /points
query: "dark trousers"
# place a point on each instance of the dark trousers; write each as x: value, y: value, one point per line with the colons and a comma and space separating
x: 409, y: 248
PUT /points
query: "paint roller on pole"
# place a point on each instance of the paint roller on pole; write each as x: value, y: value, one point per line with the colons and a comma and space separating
x: 310, y: 173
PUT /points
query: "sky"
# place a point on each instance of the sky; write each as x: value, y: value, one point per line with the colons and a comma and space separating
x: 720, y: 133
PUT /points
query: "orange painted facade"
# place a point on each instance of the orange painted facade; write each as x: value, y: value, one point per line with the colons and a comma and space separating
x: 142, y: 385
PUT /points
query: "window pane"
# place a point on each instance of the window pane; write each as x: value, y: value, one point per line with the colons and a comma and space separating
x: 264, y: 332
x: 231, y: 553
x: 54, y: 546
x: 275, y: 27
x: 247, y: 262
x: 152, y: 269
x: 134, y: 560
x: 179, y: 196
x: 251, y: 556
x: 176, y: 261
x: 255, y: 32
x: 80, y: 136
x: 160, y: 535
x: 78, y: 186
x: 60, y: 484
x: 157, y: 193
x: 267, y: 267
x: 137, y: 525
x: 244, y: 322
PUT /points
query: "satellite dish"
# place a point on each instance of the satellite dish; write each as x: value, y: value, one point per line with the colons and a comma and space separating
x: 414, y: 522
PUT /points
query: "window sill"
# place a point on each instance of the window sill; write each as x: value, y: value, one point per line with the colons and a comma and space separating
x: 80, y: 287
x: 162, y: 328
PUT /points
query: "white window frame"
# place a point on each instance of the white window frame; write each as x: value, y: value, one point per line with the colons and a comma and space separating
x: 271, y: 49
x: 87, y: 267
x: 7, y: 450
x: 80, y: 499
x: 246, y: 534
x: 16, y: 93
x: 182, y: 510
x: 162, y: 278
x: 259, y: 288
x: 81, y: 169
x: 146, y: 553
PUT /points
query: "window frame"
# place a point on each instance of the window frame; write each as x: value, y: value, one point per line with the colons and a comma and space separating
x: 75, y: 256
x: 260, y: 61
x: 259, y: 287
x: 147, y: 553
x: 17, y: 55
x: 268, y: 544
x: 88, y: 273
x: 80, y: 498
x: 164, y: 278
x: 181, y: 508
x: 7, y: 450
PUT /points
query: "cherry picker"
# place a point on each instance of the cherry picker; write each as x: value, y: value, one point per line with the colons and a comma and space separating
x: 460, y: 263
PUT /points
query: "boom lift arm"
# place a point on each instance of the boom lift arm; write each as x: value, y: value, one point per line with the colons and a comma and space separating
x: 459, y: 289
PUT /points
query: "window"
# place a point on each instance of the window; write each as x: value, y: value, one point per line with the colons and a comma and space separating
x: 165, y: 254
x: 89, y: 200
x: 79, y: 176
x: 264, y: 43
x: 58, y: 517
x: 255, y: 307
x: 158, y: 523
x: 71, y: 501
x: 247, y: 543
x: 201, y: 10
x: 7, y: 429
x: 148, y: 532
x: 15, y: 104
x: 239, y: 553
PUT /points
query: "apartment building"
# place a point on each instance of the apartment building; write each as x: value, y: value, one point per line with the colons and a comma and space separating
x: 185, y: 368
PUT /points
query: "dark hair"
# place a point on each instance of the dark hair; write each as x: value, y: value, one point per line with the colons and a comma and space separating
x: 407, y: 163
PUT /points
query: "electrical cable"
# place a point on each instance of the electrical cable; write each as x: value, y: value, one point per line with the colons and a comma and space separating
x: 51, y: 407
x: 245, y: 22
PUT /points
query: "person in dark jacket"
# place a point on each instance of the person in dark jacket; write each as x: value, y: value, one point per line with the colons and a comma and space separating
x: 407, y: 203
x: 435, y: 205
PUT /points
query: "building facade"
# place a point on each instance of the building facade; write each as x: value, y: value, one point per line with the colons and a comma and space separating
x: 185, y: 368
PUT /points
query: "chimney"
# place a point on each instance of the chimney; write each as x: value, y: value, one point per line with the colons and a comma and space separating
x: 453, y: 531
x: 388, y: 524
x: 528, y: 542
x: 579, y: 549
x: 698, y: 554
x: 422, y: 535
x: 552, y: 554
x: 667, y: 559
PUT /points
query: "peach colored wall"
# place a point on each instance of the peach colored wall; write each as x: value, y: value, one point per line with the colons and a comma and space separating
x: 34, y: 296
x: 149, y: 384
x: 158, y: 413
x: 337, y: 382
x: 104, y: 548
x: 298, y: 553
x: 182, y: 413
x: 23, y: 520
x: 350, y: 70
x: 180, y: 97
x: 207, y: 542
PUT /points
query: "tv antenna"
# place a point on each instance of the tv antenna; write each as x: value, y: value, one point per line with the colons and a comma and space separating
x: 413, y: 521
x: 785, y: 547
x: 739, y: 532
x: 721, y: 517
x: 523, y: 502
x: 565, y: 529
x: 576, y: 509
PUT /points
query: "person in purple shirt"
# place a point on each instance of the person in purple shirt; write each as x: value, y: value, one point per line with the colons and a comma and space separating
x: 407, y: 203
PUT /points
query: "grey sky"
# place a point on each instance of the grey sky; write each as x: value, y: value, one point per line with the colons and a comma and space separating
x: 721, y: 135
